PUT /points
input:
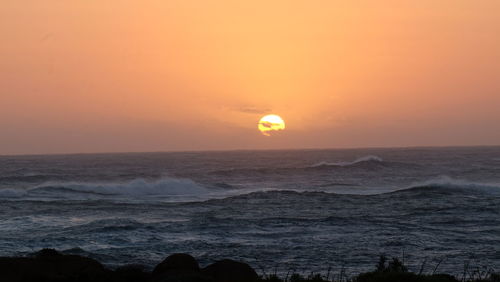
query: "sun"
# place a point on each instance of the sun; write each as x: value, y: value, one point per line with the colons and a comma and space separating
x: 270, y: 123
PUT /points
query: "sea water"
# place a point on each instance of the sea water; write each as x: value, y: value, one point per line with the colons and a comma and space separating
x: 280, y: 211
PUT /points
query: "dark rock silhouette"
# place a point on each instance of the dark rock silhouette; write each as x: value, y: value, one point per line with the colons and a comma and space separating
x: 47, y: 254
x: 131, y: 273
x: 49, y: 265
x: 177, y: 263
x: 230, y: 271
x: 179, y: 268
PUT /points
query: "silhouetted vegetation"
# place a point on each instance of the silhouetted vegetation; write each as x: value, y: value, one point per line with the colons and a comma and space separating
x: 391, y: 271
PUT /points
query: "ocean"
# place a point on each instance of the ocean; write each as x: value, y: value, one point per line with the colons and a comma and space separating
x: 279, y: 211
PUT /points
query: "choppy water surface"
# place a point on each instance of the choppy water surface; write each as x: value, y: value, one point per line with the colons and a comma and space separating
x: 302, y: 210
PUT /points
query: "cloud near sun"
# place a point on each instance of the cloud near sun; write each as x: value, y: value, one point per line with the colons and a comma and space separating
x: 271, y: 123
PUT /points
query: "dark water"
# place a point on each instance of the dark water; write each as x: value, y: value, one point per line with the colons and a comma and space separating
x: 302, y: 210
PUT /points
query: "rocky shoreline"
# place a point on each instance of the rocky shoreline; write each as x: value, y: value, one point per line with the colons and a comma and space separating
x: 49, y: 265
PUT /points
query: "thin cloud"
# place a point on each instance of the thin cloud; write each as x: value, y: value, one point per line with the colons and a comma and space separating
x: 253, y: 110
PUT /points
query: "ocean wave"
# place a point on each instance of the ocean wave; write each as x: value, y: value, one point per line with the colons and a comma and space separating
x: 186, y: 190
x: 364, y: 159
x: 12, y: 193
x: 370, y: 159
x: 251, y: 171
x: 431, y: 187
x: 26, y: 178
x: 445, y: 184
x: 133, y: 189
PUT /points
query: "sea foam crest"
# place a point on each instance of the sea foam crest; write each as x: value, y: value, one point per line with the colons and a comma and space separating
x: 369, y: 158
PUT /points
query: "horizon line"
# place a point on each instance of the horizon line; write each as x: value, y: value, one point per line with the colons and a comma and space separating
x: 248, y: 150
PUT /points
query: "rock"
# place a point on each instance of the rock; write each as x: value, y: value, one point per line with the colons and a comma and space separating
x: 177, y: 263
x: 186, y: 277
x: 179, y: 268
x: 47, y: 254
x: 230, y: 271
x: 131, y: 273
x: 49, y: 265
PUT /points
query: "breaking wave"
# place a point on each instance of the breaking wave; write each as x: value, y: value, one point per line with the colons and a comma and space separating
x: 430, y: 188
x: 186, y: 190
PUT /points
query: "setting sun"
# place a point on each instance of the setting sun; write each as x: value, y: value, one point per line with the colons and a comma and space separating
x: 147, y: 129
x: 270, y: 123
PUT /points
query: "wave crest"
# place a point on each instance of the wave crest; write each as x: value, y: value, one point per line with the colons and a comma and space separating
x: 445, y: 184
x: 364, y: 159
x: 136, y: 188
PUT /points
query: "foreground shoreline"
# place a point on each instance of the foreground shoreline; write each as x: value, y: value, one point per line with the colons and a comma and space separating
x: 49, y: 265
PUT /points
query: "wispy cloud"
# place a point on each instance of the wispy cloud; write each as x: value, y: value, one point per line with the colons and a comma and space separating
x: 253, y: 110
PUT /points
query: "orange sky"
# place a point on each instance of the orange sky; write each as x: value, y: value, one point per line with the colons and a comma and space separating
x: 121, y: 75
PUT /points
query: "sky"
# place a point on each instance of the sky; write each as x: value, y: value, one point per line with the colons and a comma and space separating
x: 87, y: 76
